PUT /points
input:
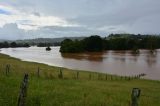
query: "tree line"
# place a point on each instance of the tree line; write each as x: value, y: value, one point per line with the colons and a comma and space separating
x: 96, y: 43
x: 48, y: 44
x: 13, y: 45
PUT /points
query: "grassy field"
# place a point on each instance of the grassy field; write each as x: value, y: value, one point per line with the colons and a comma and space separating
x: 90, y: 89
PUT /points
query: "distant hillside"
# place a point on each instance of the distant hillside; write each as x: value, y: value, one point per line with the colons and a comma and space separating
x: 47, y: 40
x: 138, y: 36
x: 2, y: 40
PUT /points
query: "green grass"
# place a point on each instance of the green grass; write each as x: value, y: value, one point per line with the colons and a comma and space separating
x: 49, y: 90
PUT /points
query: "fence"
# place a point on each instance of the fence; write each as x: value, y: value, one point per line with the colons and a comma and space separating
x: 99, y: 76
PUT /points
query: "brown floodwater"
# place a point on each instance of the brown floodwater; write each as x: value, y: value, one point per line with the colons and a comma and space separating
x: 123, y: 63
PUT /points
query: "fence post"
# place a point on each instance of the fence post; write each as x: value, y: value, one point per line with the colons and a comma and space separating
x: 129, y: 78
x: 23, y: 91
x: 111, y: 78
x: 125, y: 77
x: 99, y: 76
x: 60, y: 75
x: 135, y: 96
x: 115, y: 77
x: 77, y: 74
x: 90, y: 76
x: 7, y: 69
x: 106, y: 76
x: 38, y: 72
x: 121, y: 78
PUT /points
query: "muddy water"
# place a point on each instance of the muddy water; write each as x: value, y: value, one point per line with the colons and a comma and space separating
x: 113, y: 62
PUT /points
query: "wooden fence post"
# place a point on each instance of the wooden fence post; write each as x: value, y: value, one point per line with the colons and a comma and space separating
x: 99, y: 76
x: 90, y: 76
x: 121, y: 78
x: 7, y: 69
x: 135, y: 96
x: 23, y: 91
x: 106, y: 76
x: 125, y: 77
x: 115, y: 77
x: 38, y: 71
x: 129, y: 78
x: 111, y: 78
x: 77, y: 75
x: 60, y: 75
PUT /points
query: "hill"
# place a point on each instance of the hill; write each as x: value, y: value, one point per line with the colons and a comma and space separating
x: 47, y: 40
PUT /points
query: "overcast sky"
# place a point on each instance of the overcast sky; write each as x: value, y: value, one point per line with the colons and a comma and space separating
x: 21, y: 19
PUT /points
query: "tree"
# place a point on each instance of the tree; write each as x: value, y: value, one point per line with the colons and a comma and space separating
x: 113, y: 42
x: 13, y: 44
x: 93, y: 43
x: 5, y: 45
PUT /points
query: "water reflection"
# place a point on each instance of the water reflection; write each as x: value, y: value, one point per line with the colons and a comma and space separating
x: 123, y: 56
x: 84, y: 56
x: 136, y: 56
x: 151, y: 58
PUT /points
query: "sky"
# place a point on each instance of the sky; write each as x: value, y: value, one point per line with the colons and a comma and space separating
x: 26, y: 19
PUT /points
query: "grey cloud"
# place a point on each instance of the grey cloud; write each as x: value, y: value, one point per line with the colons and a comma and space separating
x: 56, y: 31
x: 126, y: 12
x: 11, y: 31
x: 94, y: 16
x: 68, y: 8
x: 36, y: 14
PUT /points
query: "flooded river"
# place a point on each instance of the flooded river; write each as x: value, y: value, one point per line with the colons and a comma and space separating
x: 113, y: 62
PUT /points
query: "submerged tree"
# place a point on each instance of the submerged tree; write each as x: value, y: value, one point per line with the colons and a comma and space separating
x: 113, y: 42
x: 48, y: 48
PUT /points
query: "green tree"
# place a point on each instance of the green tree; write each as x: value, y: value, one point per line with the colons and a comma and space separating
x: 13, y: 44
x: 93, y: 43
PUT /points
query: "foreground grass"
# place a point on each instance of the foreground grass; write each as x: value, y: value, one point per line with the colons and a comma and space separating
x: 49, y: 90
